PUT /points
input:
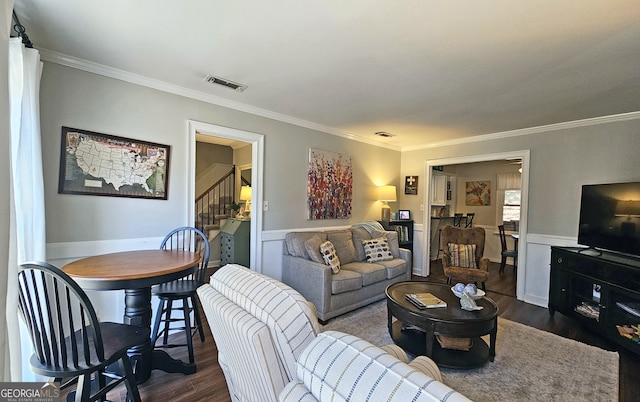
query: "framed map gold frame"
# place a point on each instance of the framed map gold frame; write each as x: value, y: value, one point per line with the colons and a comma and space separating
x: 101, y: 164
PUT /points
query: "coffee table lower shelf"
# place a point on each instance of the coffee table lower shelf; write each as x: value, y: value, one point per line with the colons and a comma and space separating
x: 414, y: 342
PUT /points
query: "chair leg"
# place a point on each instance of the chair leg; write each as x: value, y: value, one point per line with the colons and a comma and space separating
x: 156, y: 325
x: 187, y: 327
x: 167, y: 322
x: 484, y: 286
x: 130, y: 380
x: 196, y: 314
x: 503, y: 262
x: 449, y: 280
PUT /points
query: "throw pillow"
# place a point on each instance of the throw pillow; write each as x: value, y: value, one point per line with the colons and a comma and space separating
x: 392, y: 238
x: 312, y: 246
x: 330, y: 257
x: 377, y: 249
x: 343, y: 242
x: 462, y: 255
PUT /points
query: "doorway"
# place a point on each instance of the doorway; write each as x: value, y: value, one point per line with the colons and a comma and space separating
x: 524, y: 156
x: 256, y: 174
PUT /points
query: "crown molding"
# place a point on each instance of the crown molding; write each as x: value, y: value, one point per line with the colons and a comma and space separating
x: 100, y: 69
x: 528, y: 131
x: 84, y: 65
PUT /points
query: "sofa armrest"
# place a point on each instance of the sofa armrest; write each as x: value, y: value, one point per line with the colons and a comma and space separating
x: 426, y: 366
x: 311, y: 279
x: 406, y: 255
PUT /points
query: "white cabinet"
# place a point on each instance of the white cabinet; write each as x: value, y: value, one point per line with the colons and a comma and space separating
x: 439, y: 189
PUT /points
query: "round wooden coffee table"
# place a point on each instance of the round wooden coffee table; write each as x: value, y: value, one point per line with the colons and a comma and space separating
x: 415, y: 329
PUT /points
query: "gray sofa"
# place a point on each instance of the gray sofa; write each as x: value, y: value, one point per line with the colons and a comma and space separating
x: 357, y: 283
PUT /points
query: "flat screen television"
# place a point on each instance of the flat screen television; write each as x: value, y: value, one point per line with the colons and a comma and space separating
x: 610, y: 217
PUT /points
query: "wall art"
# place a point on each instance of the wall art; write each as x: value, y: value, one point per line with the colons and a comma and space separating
x: 329, y: 185
x: 478, y: 193
x: 411, y: 185
x: 101, y: 164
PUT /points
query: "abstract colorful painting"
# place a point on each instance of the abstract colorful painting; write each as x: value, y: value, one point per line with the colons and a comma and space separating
x: 329, y: 185
x: 478, y: 193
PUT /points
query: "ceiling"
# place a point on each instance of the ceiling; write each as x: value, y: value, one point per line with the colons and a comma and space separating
x: 424, y: 71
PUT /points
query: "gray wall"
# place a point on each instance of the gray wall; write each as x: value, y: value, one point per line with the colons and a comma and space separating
x: 79, y: 99
x: 208, y: 154
x: 561, y: 162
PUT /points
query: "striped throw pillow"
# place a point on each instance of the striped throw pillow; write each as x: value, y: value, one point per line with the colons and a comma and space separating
x: 462, y: 255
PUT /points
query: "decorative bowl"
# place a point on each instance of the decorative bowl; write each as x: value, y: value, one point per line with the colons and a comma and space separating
x: 479, y: 294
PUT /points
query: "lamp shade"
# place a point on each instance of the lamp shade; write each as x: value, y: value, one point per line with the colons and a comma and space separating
x: 387, y: 193
x: 245, y: 193
x: 628, y: 208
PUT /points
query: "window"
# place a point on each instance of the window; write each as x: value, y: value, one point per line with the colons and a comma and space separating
x: 511, y: 205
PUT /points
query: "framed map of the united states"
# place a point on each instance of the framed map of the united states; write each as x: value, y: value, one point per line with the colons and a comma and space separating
x: 100, y: 164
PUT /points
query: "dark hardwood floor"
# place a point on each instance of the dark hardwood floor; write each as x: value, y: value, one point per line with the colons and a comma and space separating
x: 208, y: 384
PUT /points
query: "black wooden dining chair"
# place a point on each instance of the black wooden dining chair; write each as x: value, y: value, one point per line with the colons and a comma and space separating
x: 457, y: 219
x: 184, y: 290
x: 69, y: 342
x: 506, y: 252
x: 470, y: 216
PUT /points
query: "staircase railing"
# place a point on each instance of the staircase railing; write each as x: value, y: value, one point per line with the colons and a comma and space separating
x: 215, y: 202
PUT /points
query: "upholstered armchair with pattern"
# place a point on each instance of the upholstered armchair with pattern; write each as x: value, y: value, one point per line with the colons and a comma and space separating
x: 462, y: 255
x: 262, y: 327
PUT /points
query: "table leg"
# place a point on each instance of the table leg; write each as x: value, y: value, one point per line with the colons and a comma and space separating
x: 492, y: 340
x: 429, y: 338
x: 137, y: 311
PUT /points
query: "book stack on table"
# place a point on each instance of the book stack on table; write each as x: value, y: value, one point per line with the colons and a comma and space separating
x: 425, y: 300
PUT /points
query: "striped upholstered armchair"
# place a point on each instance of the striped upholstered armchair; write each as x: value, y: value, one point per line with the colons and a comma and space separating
x: 262, y: 327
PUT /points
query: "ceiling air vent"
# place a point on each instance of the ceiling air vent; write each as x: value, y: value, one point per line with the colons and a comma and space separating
x: 225, y: 83
x: 384, y: 134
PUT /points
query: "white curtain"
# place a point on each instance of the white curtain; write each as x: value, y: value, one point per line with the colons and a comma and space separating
x: 27, y: 187
x: 5, y: 26
x: 505, y: 181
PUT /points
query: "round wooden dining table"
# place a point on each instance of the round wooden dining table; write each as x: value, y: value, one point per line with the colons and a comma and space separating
x: 136, y: 272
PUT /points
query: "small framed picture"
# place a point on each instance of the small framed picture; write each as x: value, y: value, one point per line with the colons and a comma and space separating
x: 404, y: 214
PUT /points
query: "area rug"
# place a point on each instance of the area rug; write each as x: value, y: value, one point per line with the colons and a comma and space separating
x: 530, y: 364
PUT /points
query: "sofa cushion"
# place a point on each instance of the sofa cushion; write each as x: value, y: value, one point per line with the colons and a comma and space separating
x: 330, y: 257
x: 312, y: 246
x: 462, y: 255
x: 295, y: 242
x: 359, y: 234
x: 370, y: 272
x: 395, y: 267
x: 343, y: 242
x: 392, y: 238
x: 345, y: 281
x: 377, y: 249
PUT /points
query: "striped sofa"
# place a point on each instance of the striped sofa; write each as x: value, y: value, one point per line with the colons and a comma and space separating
x: 340, y: 367
x: 262, y: 327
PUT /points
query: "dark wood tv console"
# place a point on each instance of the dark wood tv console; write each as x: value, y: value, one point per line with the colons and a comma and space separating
x: 598, y: 288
